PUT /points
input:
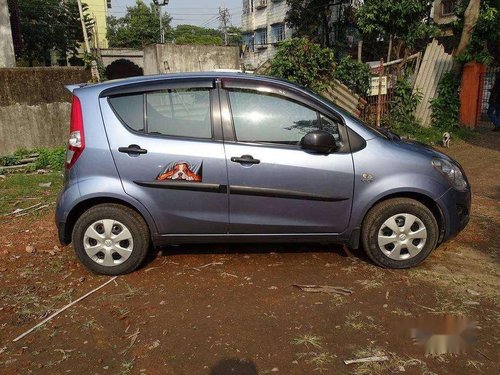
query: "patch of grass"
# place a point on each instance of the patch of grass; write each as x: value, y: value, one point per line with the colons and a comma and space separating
x: 308, y: 340
x: 91, y: 324
x: 320, y: 361
x: 369, y: 284
x: 356, y: 321
x: 127, y: 367
x: 432, y: 135
x: 22, y: 190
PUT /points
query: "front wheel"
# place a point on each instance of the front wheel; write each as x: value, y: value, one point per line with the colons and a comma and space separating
x: 399, y: 233
x: 111, y: 239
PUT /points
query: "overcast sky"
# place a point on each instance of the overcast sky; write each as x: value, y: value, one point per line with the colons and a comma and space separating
x: 193, y: 12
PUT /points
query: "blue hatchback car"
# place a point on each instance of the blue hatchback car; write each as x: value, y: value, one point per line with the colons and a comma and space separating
x: 231, y: 157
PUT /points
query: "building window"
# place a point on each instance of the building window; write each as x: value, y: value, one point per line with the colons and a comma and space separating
x: 278, y: 30
x: 447, y: 7
x: 261, y: 37
x: 260, y: 4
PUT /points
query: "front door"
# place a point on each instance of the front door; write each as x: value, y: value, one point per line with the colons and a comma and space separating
x: 166, y: 149
x: 274, y: 185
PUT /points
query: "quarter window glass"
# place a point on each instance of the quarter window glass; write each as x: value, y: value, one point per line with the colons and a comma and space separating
x: 260, y: 117
x: 130, y: 108
x: 183, y: 113
x: 331, y: 127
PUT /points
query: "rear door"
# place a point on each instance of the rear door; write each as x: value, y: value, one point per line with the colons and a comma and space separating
x: 275, y: 186
x: 166, y: 142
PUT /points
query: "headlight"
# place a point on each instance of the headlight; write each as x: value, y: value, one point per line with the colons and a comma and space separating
x: 452, y: 172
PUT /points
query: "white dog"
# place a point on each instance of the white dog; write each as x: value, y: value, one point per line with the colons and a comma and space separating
x: 446, y: 139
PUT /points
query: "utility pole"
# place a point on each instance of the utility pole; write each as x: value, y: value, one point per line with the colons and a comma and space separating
x: 159, y: 4
x: 224, y: 18
x: 93, y: 68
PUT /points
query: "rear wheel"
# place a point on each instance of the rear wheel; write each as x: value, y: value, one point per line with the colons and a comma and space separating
x: 399, y: 233
x: 111, y: 239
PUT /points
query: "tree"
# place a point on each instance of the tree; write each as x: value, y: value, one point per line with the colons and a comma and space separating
x: 139, y: 27
x: 190, y: 34
x: 305, y: 63
x: 477, y: 27
x: 50, y: 25
x: 312, y: 19
x: 405, y: 21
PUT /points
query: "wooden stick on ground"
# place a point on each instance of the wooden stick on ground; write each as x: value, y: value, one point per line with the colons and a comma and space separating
x: 62, y: 309
x: 368, y: 359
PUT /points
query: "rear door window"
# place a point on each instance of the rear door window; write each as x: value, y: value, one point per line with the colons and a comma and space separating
x: 176, y: 112
x: 181, y: 113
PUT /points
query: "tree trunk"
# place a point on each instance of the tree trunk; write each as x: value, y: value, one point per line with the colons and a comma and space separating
x: 470, y: 19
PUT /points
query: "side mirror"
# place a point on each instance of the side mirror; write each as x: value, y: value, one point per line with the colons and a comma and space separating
x: 319, y: 141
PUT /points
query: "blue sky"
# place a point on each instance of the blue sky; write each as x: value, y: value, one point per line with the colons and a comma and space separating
x: 193, y: 12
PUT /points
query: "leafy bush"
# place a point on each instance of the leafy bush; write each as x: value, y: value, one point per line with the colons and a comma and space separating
x: 48, y: 157
x: 354, y: 75
x: 54, y: 158
x: 446, y: 104
x: 305, y: 63
x: 403, y: 106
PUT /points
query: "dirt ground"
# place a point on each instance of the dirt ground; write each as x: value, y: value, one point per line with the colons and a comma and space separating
x: 233, y: 309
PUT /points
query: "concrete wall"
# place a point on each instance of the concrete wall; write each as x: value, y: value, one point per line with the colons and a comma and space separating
x: 35, y: 106
x: 109, y: 55
x: 171, y: 58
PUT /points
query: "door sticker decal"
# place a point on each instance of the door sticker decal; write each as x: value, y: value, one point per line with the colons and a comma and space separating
x: 182, y: 171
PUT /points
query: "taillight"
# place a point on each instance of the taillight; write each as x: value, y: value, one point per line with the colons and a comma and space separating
x: 76, y: 141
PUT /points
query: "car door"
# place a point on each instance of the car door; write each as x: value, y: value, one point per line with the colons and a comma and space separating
x: 276, y: 187
x: 166, y: 143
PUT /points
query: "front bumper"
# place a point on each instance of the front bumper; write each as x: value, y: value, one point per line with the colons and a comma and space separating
x: 455, y: 206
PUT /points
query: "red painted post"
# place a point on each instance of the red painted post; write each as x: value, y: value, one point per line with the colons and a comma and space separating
x: 470, y: 90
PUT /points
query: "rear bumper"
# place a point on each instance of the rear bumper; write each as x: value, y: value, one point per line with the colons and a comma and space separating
x: 455, y: 206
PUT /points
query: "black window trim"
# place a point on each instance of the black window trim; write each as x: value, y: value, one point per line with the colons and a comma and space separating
x: 280, y: 91
x: 142, y: 89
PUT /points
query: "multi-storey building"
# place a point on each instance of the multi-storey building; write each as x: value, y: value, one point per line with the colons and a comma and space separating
x: 98, y: 11
x: 263, y: 24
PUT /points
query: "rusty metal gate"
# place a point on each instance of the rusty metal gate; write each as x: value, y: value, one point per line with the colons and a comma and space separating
x: 487, y: 80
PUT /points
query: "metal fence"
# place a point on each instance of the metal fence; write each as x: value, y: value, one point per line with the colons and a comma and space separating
x: 487, y: 80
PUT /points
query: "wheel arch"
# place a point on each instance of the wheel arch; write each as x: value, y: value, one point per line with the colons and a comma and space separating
x: 426, y: 200
x: 90, y: 202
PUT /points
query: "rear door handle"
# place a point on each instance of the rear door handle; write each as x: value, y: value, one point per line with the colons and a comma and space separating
x: 133, y: 149
x: 245, y: 159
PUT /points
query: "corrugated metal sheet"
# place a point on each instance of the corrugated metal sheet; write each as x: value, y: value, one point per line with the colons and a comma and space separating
x: 341, y: 95
x: 435, y: 64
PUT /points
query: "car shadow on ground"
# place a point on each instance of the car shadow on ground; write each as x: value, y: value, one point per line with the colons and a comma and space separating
x: 254, y: 248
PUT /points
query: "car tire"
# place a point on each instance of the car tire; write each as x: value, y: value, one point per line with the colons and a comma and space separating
x: 111, y: 239
x: 399, y: 233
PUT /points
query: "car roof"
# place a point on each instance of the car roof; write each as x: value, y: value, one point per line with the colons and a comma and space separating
x: 176, y: 76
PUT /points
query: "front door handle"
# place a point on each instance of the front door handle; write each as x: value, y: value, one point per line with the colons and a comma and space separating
x: 245, y: 159
x: 133, y: 150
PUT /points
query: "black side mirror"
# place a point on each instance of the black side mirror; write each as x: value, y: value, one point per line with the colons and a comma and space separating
x: 319, y: 141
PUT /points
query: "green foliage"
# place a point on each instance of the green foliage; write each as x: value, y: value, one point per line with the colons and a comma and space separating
x: 312, y: 19
x: 446, y: 104
x: 139, y: 27
x: 403, y: 106
x: 486, y: 35
x: 48, y: 25
x: 406, y: 20
x: 354, y: 75
x: 53, y: 158
x: 305, y: 63
x: 190, y: 34
x: 48, y: 157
